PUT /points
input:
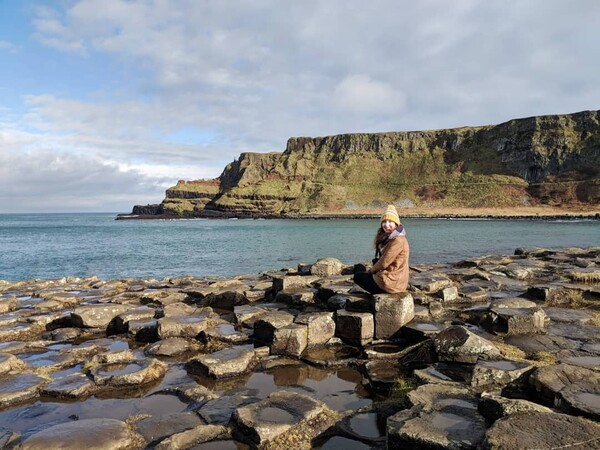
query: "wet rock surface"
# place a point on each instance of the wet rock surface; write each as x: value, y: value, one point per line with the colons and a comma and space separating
x: 106, y: 434
x: 543, y: 430
x: 502, y: 351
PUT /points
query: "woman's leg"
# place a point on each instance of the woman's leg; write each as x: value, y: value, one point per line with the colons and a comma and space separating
x: 365, y: 280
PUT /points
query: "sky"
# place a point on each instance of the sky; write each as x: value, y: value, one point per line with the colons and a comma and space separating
x: 106, y: 103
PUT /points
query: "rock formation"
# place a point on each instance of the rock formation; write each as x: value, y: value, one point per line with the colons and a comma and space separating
x: 305, y: 359
x: 551, y: 160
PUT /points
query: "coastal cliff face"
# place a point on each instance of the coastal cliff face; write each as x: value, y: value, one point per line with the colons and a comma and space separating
x: 538, y: 160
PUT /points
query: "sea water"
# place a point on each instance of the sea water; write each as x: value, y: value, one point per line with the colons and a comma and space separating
x: 58, y: 245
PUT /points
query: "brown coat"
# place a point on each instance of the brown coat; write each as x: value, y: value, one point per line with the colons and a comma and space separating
x: 390, y: 272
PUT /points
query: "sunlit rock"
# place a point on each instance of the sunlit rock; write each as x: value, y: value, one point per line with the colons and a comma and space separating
x: 354, y: 328
x: 97, y: 316
x: 227, y: 363
x: 99, y: 433
x: 279, y: 413
x: 391, y: 313
x: 542, y: 430
x: 320, y: 327
x: 457, y: 344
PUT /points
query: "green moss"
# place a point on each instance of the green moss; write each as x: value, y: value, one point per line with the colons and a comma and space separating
x: 196, y: 187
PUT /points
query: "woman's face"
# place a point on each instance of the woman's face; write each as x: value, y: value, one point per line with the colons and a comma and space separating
x: 388, y: 226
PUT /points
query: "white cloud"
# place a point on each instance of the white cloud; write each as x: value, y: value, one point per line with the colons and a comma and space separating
x: 250, y: 74
x: 8, y: 46
x: 362, y: 95
x: 49, y: 181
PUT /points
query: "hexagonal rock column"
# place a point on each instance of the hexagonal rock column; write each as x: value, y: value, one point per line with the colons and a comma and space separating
x: 182, y: 326
x: 97, y: 316
x: 494, y: 406
x: 281, y: 283
x: 90, y: 433
x: 543, y: 430
x: 282, y: 411
x: 515, y: 321
x: 227, y: 363
x: 19, y: 387
x: 129, y: 373
x: 354, y: 328
x: 120, y: 324
x: 448, y: 294
x: 76, y: 385
x: 392, y: 312
x: 441, y: 417
x: 290, y: 340
x: 265, y: 326
x: 321, y: 327
x: 575, y: 390
x: 457, y: 344
x: 494, y: 375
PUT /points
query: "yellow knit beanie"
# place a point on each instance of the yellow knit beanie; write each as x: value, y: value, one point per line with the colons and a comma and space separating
x: 391, y: 214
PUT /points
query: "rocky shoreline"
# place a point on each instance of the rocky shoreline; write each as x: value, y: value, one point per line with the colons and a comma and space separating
x: 331, y: 216
x: 495, y: 352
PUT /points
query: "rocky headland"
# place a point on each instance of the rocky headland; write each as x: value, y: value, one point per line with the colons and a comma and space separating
x: 538, y: 164
x: 495, y: 352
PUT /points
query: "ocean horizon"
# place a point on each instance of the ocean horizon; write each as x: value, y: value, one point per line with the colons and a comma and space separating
x: 56, y: 245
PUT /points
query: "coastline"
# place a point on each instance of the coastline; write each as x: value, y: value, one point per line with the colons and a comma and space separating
x: 487, y: 335
x: 523, y: 213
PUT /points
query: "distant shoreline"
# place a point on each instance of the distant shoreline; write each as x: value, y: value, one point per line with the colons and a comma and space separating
x: 531, y: 213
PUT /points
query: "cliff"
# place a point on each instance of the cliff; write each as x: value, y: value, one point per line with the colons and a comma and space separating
x: 543, y: 160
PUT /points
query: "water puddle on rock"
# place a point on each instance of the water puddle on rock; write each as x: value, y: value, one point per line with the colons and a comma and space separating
x: 339, y: 442
x: 331, y: 355
x: 503, y: 365
x: 41, y: 359
x: 339, y: 389
x: 119, y: 369
x: 275, y: 415
x: 34, y: 417
x: 221, y: 445
x: 449, y: 421
x: 369, y: 425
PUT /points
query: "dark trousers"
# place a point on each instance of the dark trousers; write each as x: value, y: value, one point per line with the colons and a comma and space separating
x: 365, y: 280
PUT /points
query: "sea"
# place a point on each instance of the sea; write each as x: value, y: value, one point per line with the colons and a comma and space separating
x: 51, y: 246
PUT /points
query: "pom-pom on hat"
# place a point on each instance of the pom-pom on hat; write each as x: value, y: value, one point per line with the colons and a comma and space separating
x: 391, y: 214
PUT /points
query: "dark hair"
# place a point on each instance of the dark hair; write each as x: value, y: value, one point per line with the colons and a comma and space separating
x: 380, y: 233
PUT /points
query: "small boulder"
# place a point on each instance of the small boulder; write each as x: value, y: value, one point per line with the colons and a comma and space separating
x: 321, y: 327
x: 265, y: 326
x: 327, y: 267
x: 448, y: 294
x: 457, y: 344
x: 290, y: 340
x: 392, y: 312
x: 354, y: 328
x: 513, y: 321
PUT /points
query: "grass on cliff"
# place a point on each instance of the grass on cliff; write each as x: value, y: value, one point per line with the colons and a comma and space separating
x: 196, y: 187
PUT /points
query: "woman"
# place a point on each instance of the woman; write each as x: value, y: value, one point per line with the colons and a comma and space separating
x: 390, y: 269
